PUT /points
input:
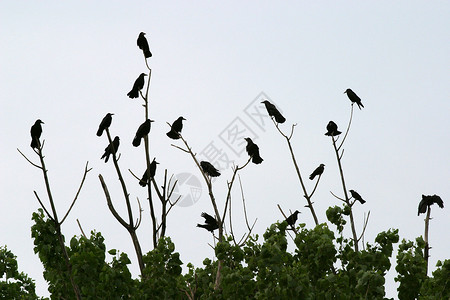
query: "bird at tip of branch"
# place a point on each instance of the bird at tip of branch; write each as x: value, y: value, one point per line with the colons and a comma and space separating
x: 111, y: 148
x: 144, y: 180
x: 317, y: 172
x: 253, y: 151
x: 292, y: 218
x: 176, y: 128
x: 210, y: 222
x: 209, y: 169
x: 274, y: 112
x: 332, y: 129
x: 428, y: 201
x: 143, y: 45
x: 105, y: 123
x: 353, y: 97
x: 137, y: 86
x: 357, y: 196
x: 142, y: 131
x: 36, y: 131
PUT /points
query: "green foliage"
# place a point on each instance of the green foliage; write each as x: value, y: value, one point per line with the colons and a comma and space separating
x: 14, y: 284
x: 319, y: 266
x: 162, y: 272
x: 411, y: 268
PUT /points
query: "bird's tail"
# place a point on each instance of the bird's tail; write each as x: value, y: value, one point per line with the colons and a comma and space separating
x: 173, y: 135
x: 256, y: 159
x: 100, y: 132
x: 360, y: 105
x: 147, y: 54
x: 136, y: 141
x: 133, y: 94
x: 279, y: 118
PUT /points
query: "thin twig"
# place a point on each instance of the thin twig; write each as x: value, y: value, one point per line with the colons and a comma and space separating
x: 42, y: 205
x: 32, y: 163
x: 81, y: 229
x: 86, y: 170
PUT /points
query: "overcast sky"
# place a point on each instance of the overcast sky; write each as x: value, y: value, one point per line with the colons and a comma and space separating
x: 69, y: 63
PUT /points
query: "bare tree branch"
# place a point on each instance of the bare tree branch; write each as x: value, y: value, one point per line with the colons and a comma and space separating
x: 33, y: 164
x: 86, y: 170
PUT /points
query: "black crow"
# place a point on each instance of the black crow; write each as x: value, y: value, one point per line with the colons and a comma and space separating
x: 317, y: 172
x: 273, y: 112
x: 332, y: 129
x: 137, y: 86
x: 209, y: 169
x: 292, y: 218
x: 112, y: 148
x: 353, y: 97
x: 357, y: 196
x: 36, y: 131
x: 144, y: 179
x: 428, y: 201
x: 142, y: 131
x: 253, y: 151
x: 106, y: 122
x: 143, y: 45
x: 210, y: 222
x: 175, y: 129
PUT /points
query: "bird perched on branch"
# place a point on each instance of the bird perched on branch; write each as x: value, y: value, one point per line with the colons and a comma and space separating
x: 332, y: 129
x: 112, y: 148
x: 210, y: 223
x: 144, y: 180
x: 317, y: 172
x: 142, y: 131
x: 143, y: 45
x: 273, y: 112
x: 428, y: 201
x: 176, y: 128
x: 253, y: 151
x: 357, y: 196
x: 105, y: 123
x: 36, y: 131
x: 209, y: 169
x: 137, y: 86
x: 353, y: 97
x: 292, y: 218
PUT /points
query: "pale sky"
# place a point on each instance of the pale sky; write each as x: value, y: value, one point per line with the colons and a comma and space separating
x: 69, y: 63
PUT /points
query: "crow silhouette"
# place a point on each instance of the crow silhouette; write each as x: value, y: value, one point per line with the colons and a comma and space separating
x: 292, y: 218
x: 176, y: 128
x: 428, y: 201
x: 142, y: 131
x: 209, y: 169
x: 112, y: 148
x: 210, y: 222
x: 143, y: 45
x: 317, y: 172
x: 273, y: 112
x: 357, y: 196
x: 353, y: 97
x: 332, y: 129
x: 253, y: 151
x: 36, y: 131
x: 137, y: 86
x: 105, y: 123
x: 144, y: 180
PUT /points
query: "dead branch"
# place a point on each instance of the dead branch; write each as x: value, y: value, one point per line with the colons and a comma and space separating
x: 86, y: 170
x: 81, y: 229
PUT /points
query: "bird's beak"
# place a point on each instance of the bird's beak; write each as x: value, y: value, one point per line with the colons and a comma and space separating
x: 183, y: 118
x: 152, y: 120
